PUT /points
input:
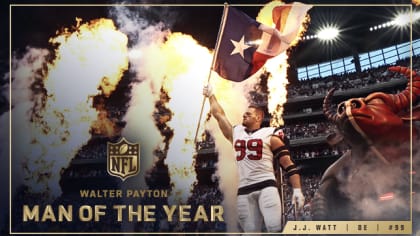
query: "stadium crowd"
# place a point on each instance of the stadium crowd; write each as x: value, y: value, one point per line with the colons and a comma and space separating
x: 307, y: 130
x: 317, y: 152
x: 310, y: 184
x: 345, y: 81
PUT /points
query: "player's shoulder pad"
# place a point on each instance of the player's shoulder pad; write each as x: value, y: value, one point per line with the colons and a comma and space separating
x: 278, y: 132
x: 236, y: 128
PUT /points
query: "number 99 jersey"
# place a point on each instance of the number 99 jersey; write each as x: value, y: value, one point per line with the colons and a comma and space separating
x: 253, y: 154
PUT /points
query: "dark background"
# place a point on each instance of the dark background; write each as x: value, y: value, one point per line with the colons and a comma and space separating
x: 203, y: 24
x: 31, y: 26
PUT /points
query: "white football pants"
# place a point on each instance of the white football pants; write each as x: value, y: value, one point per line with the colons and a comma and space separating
x: 258, y: 207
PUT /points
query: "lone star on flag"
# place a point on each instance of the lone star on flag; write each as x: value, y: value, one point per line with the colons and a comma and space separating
x: 240, y: 47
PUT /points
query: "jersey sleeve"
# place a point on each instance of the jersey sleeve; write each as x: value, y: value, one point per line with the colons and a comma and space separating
x: 278, y: 132
x: 235, y: 129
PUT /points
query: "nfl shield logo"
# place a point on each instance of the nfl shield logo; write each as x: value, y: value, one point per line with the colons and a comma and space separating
x: 123, y: 159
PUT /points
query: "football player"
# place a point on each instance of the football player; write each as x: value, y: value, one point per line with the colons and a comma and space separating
x: 258, y: 198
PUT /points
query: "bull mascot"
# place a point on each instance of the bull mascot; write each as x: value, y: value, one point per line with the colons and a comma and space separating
x: 371, y: 181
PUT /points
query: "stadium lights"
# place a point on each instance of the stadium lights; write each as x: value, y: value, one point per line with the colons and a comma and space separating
x: 404, y: 19
x: 328, y: 33
x: 400, y: 20
x: 309, y: 37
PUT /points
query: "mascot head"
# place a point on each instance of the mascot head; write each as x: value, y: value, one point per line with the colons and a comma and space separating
x: 379, y: 118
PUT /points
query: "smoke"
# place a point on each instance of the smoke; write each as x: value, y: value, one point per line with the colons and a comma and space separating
x: 416, y: 183
x: 175, y: 62
x: 26, y: 70
x: 142, y: 24
x: 416, y: 180
x: 165, y: 62
x: 145, y: 92
x: 232, y: 97
x: 179, y: 65
x: 145, y: 87
x: 52, y: 113
x: 381, y: 191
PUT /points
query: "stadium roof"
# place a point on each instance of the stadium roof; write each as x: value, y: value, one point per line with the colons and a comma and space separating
x: 354, y: 23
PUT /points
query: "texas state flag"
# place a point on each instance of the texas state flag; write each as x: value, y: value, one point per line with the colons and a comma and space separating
x: 245, y: 44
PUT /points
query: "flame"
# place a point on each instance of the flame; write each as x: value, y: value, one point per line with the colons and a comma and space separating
x: 184, y: 65
x: 94, y: 55
x: 416, y: 2
x: 103, y: 125
x: 145, y: 57
x: 25, y: 72
x: 232, y: 97
x: 83, y: 58
x: 265, y: 14
x: 277, y: 66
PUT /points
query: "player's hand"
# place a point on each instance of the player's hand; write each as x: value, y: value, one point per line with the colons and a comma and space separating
x: 298, y: 198
x: 208, y: 90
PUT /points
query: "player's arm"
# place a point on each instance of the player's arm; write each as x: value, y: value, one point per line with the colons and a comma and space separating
x: 281, y: 152
x: 218, y: 113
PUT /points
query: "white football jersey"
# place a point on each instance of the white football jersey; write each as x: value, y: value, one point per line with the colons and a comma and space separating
x: 253, y: 154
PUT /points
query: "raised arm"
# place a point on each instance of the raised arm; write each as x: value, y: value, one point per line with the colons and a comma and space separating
x: 280, y: 151
x: 218, y: 113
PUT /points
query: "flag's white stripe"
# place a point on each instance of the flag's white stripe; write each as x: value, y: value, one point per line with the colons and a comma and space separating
x: 293, y: 22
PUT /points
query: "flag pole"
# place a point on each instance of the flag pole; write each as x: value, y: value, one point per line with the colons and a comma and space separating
x: 216, y: 50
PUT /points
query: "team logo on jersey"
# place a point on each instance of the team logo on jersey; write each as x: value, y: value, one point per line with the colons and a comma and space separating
x: 280, y: 133
x: 123, y: 159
